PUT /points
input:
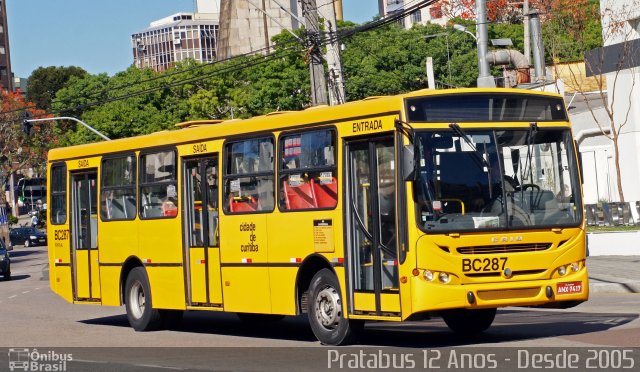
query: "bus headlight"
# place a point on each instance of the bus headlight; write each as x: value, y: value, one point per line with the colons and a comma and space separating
x: 562, y: 270
x: 575, y: 267
x: 444, y: 278
x: 428, y: 275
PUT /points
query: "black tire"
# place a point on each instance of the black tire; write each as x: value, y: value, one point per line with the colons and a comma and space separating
x: 140, y: 312
x: 259, y: 318
x: 26, y: 243
x: 171, y: 319
x: 469, y: 322
x: 325, y: 313
x: 7, y: 276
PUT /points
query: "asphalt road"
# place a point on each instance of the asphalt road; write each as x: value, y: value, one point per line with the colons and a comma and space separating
x: 99, y: 338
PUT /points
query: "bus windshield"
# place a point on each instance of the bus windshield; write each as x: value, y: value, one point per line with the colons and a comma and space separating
x: 496, y: 179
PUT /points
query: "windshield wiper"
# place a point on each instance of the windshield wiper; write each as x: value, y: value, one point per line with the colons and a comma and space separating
x: 528, y: 166
x: 457, y: 130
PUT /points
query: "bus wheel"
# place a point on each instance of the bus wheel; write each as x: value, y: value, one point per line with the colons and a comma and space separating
x: 140, y: 312
x: 469, y: 322
x: 325, y: 311
x: 259, y: 318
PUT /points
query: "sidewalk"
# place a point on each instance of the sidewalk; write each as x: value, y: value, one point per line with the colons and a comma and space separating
x: 614, y: 274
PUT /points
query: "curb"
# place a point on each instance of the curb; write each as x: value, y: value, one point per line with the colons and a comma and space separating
x: 628, y: 287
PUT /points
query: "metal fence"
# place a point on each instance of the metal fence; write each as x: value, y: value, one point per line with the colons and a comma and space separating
x: 613, y: 214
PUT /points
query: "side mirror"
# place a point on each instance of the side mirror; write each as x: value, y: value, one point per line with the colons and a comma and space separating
x: 409, y: 164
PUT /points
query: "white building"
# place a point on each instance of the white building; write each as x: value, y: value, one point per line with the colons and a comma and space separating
x: 179, y: 37
x: 430, y: 14
x: 619, y: 61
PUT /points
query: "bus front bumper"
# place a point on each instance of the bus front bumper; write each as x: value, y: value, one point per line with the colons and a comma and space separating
x: 558, y: 292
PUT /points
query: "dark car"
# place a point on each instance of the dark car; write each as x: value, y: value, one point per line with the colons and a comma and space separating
x: 27, y: 236
x: 5, y: 262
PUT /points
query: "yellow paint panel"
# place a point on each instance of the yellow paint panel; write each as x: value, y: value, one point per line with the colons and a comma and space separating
x: 246, y: 289
x: 283, y: 287
x: 161, y: 240
x: 390, y: 302
x: 95, y: 274
x: 167, y: 286
x: 215, y: 281
x: 243, y: 237
x: 197, y: 275
x: 364, y: 301
x: 110, y: 285
x: 60, y: 277
x: 82, y: 273
x: 117, y: 240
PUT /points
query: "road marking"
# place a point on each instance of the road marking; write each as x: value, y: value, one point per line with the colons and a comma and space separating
x: 156, y: 366
x: 25, y: 292
x: 89, y: 361
x: 13, y: 296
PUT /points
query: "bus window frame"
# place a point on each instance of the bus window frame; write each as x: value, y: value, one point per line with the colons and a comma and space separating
x: 119, y: 187
x: 282, y: 171
x: 225, y: 176
x: 54, y: 192
x: 141, y: 184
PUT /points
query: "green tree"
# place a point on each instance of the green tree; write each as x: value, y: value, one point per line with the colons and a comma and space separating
x: 45, y: 82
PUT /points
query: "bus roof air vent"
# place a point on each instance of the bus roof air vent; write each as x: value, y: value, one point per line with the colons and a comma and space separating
x: 197, y: 123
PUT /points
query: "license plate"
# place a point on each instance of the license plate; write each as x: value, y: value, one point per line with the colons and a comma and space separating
x: 569, y: 287
x: 483, y: 265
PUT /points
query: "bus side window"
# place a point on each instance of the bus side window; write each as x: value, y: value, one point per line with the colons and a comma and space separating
x: 308, y: 170
x: 249, y: 176
x: 158, y: 185
x: 58, y: 204
x: 118, y: 188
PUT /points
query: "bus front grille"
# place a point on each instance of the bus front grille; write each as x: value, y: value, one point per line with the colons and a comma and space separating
x: 504, y: 248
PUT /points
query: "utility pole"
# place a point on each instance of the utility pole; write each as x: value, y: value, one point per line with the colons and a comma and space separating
x: 484, y: 74
x: 316, y: 68
x: 336, y: 80
x: 527, y: 32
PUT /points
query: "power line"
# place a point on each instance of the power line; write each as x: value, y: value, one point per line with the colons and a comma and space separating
x: 263, y: 59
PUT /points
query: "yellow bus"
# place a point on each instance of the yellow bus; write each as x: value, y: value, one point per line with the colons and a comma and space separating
x: 451, y: 203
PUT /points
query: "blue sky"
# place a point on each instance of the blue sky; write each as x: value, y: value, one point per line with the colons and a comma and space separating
x: 95, y: 35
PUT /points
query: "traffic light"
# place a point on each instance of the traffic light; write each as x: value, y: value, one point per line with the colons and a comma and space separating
x: 26, y: 125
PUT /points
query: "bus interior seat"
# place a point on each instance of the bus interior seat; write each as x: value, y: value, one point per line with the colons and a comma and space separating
x: 326, y: 194
x: 248, y: 204
x: 299, y: 197
x: 151, y: 205
x: 129, y: 206
x: 115, y: 209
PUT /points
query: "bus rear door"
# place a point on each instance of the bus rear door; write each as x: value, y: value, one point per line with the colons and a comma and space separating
x: 201, y: 243
x: 84, y: 234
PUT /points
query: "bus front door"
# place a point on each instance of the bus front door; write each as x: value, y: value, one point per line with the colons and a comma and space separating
x: 84, y: 236
x: 371, y: 214
x: 201, y: 233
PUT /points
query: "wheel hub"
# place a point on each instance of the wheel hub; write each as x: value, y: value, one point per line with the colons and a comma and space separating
x: 328, y: 307
x: 137, y: 300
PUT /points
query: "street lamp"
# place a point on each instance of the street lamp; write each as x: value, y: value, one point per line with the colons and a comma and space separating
x: 464, y: 29
x: 28, y: 122
x: 446, y: 35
